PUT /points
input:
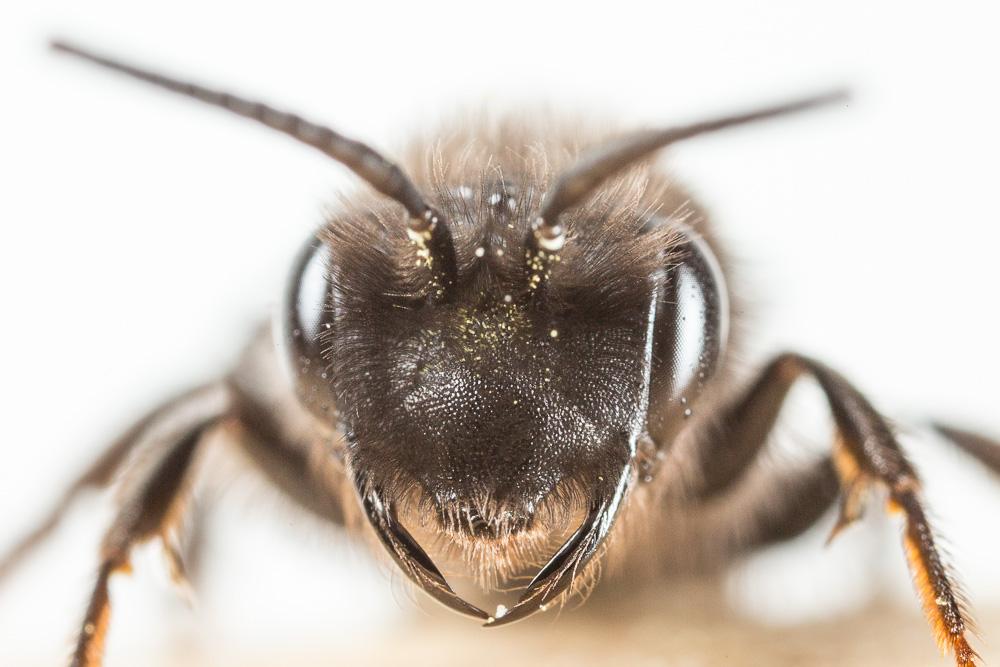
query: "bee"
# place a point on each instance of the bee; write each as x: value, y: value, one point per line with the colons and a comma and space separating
x: 519, y: 351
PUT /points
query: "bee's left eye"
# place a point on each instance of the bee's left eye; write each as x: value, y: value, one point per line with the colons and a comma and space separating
x: 307, y: 317
x: 691, y: 327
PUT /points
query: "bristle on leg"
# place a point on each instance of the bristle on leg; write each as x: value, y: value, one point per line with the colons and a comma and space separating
x: 938, y: 594
x: 89, y: 650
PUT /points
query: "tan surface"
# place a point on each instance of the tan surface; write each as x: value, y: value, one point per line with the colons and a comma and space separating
x: 669, y: 637
x: 872, y: 639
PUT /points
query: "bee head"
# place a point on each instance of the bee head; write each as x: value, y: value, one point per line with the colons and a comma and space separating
x: 497, y: 411
x: 491, y: 358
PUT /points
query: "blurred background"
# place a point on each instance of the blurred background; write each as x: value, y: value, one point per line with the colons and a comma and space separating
x: 144, y: 235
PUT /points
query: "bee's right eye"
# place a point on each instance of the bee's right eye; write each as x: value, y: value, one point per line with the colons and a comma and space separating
x: 305, y: 326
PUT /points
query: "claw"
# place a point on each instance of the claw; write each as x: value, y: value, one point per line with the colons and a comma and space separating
x: 851, y: 506
x: 558, y: 574
x: 855, y: 483
x: 410, y: 557
x: 178, y: 573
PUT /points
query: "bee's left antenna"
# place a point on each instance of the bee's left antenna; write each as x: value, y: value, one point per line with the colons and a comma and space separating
x: 599, y: 164
x: 427, y: 228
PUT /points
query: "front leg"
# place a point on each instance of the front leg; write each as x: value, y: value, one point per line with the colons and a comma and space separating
x: 154, y: 461
x: 300, y: 455
x: 102, y: 471
x: 152, y: 496
x: 865, y: 453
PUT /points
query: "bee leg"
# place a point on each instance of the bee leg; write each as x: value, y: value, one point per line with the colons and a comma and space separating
x: 152, y: 494
x: 721, y: 449
x: 985, y: 450
x: 773, y: 504
x: 866, y: 453
x: 795, y: 500
x: 301, y: 456
x: 299, y: 465
x: 98, y: 475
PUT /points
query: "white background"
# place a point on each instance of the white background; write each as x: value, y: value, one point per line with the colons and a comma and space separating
x: 143, y: 235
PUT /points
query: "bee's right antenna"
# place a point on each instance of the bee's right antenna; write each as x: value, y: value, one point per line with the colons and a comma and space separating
x: 427, y: 228
x: 596, y: 166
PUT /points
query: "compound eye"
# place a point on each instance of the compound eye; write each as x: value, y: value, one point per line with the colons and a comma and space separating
x: 305, y: 323
x: 692, y: 325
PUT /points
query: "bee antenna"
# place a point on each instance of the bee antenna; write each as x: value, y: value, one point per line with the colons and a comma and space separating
x: 597, y: 165
x: 427, y: 228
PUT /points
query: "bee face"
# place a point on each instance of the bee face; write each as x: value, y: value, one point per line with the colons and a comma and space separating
x: 487, y: 402
x: 478, y: 418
